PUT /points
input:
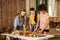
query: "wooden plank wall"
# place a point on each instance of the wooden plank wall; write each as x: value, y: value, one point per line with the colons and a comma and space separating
x: 8, y: 10
x: 58, y: 10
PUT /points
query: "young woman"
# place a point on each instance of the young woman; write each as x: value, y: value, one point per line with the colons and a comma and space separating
x: 32, y: 23
x: 19, y: 20
x: 44, y: 19
x: 33, y: 18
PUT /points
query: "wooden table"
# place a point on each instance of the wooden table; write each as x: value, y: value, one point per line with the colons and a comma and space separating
x: 27, y: 38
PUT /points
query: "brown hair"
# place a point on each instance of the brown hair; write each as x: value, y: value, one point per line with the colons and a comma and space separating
x: 20, y: 18
x: 42, y: 7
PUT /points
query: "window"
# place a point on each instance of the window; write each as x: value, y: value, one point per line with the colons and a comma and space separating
x: 52, y: 8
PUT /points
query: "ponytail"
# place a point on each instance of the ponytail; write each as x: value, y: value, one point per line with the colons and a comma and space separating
x: 35, y: 18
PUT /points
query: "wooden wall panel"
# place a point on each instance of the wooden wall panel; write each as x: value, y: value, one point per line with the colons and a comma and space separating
x: 9, y: 8
x: 4, y: 13
x: 0, y: 14
x: 14, y: 10
x: 20, y: 5
x: 8, y: 11
x: 58, y: 10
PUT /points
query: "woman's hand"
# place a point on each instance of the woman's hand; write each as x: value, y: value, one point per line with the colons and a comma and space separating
x: 36, y: 27
x: 41, y: 31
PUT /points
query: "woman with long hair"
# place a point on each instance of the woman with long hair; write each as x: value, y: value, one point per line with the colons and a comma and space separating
x: 19, y: 20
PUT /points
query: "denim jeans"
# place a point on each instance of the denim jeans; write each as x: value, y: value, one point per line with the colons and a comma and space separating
x: 19, y: 27
x: 33, y: 27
